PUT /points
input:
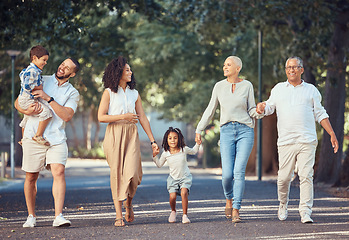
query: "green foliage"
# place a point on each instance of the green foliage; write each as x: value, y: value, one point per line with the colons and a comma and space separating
x: 176, y: 48
x: 80, y: 152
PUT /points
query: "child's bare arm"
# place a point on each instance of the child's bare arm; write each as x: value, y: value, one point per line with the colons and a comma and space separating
x: 38, y: 87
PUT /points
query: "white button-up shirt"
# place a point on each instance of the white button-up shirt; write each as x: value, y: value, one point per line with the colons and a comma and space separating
x: 65, y: 95
x: 123, y: 101
x: 297, y: 109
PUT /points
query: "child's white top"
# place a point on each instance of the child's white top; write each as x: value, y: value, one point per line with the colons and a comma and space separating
x: 177, y: 162
x: 123, y: 101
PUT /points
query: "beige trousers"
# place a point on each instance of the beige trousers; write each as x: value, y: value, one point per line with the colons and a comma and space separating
x: 304, y: 155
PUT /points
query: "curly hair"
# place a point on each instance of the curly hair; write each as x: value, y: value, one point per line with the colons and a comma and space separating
x: 181, y: 143
x: 113, y: 73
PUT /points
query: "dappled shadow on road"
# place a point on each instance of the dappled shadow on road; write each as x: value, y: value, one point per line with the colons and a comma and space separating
x: 88, y: 204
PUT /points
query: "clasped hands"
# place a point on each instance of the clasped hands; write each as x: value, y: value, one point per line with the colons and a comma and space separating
x: 260, y: 107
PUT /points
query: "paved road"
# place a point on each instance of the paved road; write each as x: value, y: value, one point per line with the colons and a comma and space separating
x: 89, y: 206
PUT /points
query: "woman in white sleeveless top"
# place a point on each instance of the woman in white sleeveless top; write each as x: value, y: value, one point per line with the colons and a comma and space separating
x: 121, y: 107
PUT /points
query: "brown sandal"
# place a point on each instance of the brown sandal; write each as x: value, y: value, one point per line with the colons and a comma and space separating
x: 236, y: 217
x: 119, y: 222
x: 228, y: 212
x: 129, y: 215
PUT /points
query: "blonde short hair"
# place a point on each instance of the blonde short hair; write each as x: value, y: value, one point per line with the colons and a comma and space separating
x: 237, y: 61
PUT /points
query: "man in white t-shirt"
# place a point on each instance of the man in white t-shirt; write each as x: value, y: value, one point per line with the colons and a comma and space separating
x: 63, y: 99
x: 298, y: 106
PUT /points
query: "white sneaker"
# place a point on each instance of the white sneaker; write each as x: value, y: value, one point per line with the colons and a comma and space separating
x: 185, y: 219
x: 282, y: 213
x: 60, y: 221
x: 305, y: 218
x: 31, y: 221
x: 172, y: 217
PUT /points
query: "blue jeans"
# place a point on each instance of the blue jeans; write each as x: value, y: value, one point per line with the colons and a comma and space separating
x: 236, y: 142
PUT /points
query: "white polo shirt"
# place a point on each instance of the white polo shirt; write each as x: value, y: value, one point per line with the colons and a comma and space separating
x: 65, y: 95
x: 297, y: 109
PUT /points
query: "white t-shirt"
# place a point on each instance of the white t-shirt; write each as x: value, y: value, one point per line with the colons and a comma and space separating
x: 177, y: 162
x: 65, y: 95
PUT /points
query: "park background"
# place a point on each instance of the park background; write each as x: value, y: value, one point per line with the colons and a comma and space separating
x: 176, y: 50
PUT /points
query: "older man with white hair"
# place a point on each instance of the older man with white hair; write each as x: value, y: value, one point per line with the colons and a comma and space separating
x: 298, y: 106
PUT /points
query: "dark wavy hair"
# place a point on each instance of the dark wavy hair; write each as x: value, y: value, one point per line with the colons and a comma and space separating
x: 113, y: 72
x: 181, y: 143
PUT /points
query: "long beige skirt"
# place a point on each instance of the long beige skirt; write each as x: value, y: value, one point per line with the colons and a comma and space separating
x: 123, y: 153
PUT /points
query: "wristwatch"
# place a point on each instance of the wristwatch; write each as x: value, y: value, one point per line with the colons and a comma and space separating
x: 151, y: 143
x: 51, y: 99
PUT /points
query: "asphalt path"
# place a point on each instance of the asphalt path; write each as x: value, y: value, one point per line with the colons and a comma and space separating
x: 88, y: 204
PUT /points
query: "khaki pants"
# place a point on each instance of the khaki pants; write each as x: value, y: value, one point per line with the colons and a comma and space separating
x: 304, y: 155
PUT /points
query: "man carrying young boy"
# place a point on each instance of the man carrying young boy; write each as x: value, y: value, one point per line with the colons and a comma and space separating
x: 63, y: 99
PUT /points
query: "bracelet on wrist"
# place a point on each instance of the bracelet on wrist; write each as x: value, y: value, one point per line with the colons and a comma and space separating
x: 151, y: 143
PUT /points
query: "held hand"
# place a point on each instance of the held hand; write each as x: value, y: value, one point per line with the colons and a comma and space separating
x: 33, y: 109
x: 38, y: 87
x: 40, y: 94
x: 155, y: 146
x: 131, y: 117
x: 198, y: 138
x: 155, y: 151
x: 260, y: 107
x: 334, y: 142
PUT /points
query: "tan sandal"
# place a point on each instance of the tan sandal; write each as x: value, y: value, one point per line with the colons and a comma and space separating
x: 129, y: 215
x: 228, y: 212
x: 41, y: 140
x: 236, y: 217
x: 119, y: 222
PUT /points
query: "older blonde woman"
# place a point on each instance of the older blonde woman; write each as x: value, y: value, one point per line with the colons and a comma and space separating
x: 238, y: 110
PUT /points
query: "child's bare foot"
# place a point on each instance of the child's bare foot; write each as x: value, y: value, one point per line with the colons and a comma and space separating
x: 41, y: 140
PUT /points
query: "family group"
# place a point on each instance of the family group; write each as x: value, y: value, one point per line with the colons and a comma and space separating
x: 48, y: 102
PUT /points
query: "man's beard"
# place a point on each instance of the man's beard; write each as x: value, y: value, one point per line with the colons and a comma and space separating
x: 62, y: 77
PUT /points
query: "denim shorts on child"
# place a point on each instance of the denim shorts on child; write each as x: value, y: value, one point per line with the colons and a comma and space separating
x: 175, y: 185
x: 36, y: 156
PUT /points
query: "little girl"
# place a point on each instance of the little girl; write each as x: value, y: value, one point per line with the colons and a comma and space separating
x: 180, y: 179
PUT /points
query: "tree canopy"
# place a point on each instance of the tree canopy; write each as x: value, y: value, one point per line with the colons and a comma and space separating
x: 176, y: 48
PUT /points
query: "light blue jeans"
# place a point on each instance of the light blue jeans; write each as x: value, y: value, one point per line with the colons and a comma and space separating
x: 236, y: 142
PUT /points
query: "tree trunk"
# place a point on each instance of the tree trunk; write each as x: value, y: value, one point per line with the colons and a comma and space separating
x: 328, y: 170
x: 89, y: 130
x: 96, y: 138
x: 76, y: 139
x: 84, y: 128
x: 344, y: 180
x: 269, y: 147
x: 308, y: 72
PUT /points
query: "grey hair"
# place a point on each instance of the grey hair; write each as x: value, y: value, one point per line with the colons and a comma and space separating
x: 299, y: 60
x: 237, y: 61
